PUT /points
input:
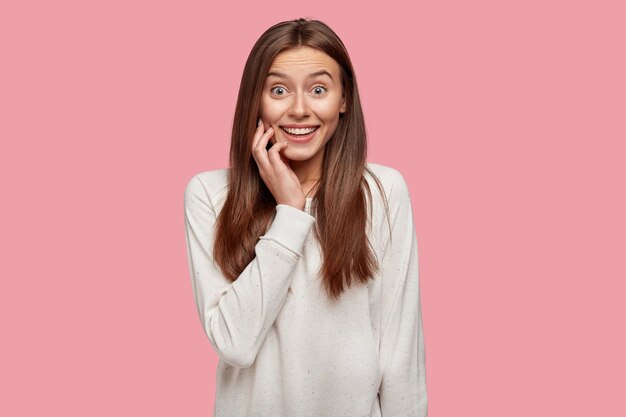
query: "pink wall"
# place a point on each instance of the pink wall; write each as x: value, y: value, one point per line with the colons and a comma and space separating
x: 507, y: 120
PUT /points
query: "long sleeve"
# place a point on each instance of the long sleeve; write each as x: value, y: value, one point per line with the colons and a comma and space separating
x: 236, y: 316
x: 403, y: 387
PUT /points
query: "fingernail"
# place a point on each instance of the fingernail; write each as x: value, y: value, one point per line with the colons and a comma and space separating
x: 259, y: 122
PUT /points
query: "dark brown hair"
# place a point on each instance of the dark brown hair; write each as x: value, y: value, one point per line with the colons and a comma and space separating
x: 339, y: 204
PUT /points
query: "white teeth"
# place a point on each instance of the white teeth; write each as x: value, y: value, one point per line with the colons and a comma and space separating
x: 299, y: 131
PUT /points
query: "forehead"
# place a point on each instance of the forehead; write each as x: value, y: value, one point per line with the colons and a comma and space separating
x: 303, y: 60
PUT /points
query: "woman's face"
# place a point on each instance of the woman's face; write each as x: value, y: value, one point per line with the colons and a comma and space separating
x: 302, y: 89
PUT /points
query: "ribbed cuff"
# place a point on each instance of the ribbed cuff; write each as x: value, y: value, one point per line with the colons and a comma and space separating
x: 290, y: 227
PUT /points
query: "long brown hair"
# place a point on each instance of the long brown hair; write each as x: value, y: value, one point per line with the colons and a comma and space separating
x: 339, y: 204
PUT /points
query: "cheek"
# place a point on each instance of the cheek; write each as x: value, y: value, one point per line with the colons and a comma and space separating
x: 267, y: 109
x: 329, y: 111
x: 329, y: 116
x: 269, y: 104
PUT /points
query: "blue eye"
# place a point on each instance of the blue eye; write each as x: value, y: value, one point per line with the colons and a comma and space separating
x: 274, y: 90
x: 282, y: 88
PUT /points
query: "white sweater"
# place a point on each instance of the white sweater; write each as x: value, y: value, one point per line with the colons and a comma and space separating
x: 285, y: 350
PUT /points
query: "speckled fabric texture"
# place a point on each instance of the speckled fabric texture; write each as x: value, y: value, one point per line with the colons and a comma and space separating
x: 285, y: 350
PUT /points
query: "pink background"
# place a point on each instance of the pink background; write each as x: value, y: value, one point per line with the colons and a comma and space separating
x: 507, y: 119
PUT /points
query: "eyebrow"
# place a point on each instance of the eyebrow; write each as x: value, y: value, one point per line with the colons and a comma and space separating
x: 311, y: 75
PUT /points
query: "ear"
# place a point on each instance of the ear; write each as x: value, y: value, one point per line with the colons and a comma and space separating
x: 343, y: 105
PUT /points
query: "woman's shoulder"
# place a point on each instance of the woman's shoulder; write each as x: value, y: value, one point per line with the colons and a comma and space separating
x: 385, y: 207
x: 215, y: 177
x: 389, y: 177
x: 208, y: 184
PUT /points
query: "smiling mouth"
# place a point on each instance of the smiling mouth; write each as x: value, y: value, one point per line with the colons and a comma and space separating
x: 300, y: 137
x: 299, y: 132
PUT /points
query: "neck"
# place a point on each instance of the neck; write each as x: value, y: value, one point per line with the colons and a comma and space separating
x: 309, y: 173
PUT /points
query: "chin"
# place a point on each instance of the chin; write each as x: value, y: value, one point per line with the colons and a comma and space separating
x: 297, y: 156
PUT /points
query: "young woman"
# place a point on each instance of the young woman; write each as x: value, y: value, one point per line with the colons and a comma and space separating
x: 303, y: 256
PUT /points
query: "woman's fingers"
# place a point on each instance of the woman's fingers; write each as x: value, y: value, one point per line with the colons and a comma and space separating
x: 272, y: 156
x: 259, y: 149
x: 257, y: 133
x: 275, y: 169
x: 275, y: 157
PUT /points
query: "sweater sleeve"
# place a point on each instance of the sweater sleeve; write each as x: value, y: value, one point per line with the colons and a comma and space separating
x: 403, y: 387
x: 236, y: 316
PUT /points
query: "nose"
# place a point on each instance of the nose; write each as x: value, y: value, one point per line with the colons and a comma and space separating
x: 299, y: 107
